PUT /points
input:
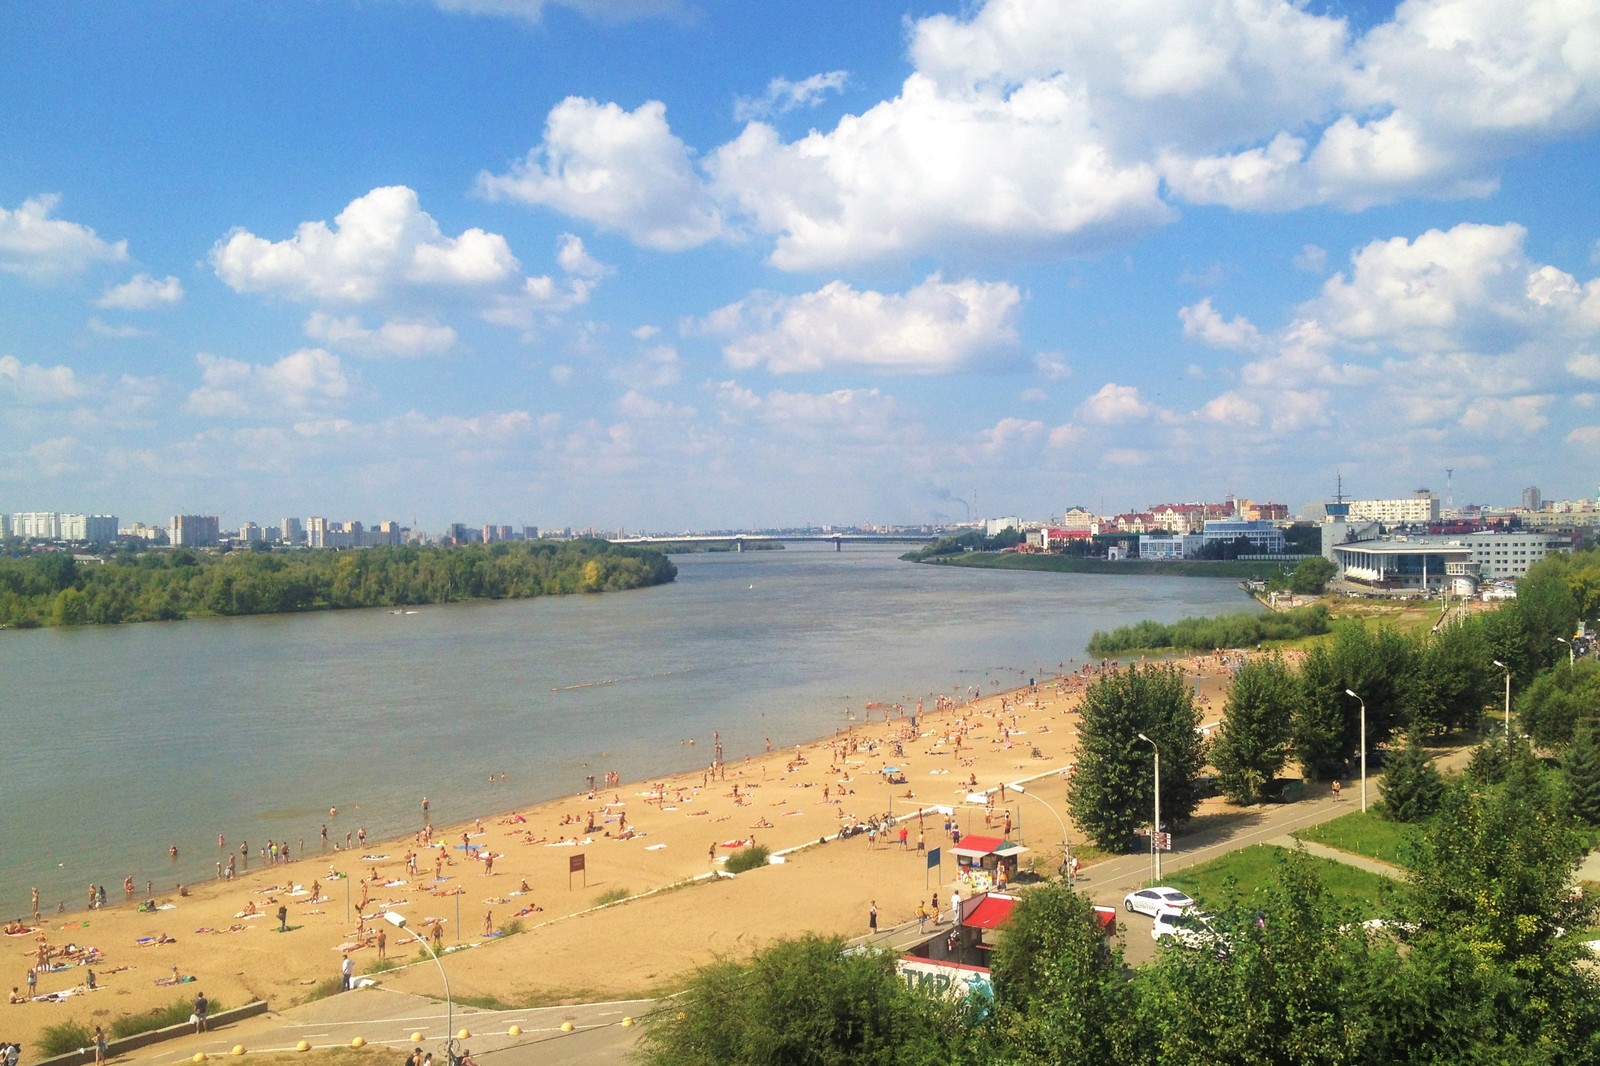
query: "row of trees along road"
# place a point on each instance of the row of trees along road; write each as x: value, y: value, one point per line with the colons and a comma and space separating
x: 1470, y: 968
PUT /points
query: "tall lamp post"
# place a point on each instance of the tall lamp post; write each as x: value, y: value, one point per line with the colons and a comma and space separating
x: 1066, y: 845
x: 1572, y: 656
x: 398, y: 920
x: 1507, y: 669
x: 1363, y: 703
x: 1155, y: 830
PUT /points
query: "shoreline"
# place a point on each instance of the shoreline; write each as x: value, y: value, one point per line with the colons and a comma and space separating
x: 649, y: 835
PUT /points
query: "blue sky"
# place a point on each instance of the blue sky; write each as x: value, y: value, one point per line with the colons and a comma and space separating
x: 662, y: 264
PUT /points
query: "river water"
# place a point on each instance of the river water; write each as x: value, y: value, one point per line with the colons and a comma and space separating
x: 121, y: 741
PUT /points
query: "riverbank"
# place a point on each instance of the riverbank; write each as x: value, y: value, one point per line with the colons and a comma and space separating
x: 647, y: 837
x: 1072, y: 564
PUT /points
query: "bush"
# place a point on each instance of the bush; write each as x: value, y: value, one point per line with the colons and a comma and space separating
x: 614, y: 895
x: 175, y: 1013
x: 63, y: 1038
x: 1209, y: 634
x: 750, y: 858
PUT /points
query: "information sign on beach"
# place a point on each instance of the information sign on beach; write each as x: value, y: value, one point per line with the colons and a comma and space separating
x: 574, y: 865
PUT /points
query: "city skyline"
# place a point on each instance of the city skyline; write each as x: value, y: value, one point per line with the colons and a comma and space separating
x: 656, y: 264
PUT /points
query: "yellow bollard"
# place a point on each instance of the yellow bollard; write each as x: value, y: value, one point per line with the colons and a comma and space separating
x: 566, y: 1027
x: 627, y: 1020
x: 238, y: 1049
x: 416, y: 1038
x: 515, y: 1030
x: 199, y: 1056
x: 359, y: 1042
x: 304, y: 1045
x: 463, y: 1035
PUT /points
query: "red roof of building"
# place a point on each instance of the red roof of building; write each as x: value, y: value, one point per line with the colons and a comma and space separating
x: 978, y: 846
x: 991, y: 912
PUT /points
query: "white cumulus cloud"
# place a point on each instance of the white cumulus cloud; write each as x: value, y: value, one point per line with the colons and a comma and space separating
x: 381, y: 241
x: 142, y: 292
x: 30, y: 383
x: 404, y: 337
x: 40, y: 247
x: 935, y: 328
x: 622, y: 170
x: 783, y: 95
x: 302, y: 380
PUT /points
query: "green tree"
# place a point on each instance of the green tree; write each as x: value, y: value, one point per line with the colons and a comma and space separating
x: 1256, y: 729
x: 1112, y: 793
x: 1311, y: 576
x: 1374, y: 664
x: 804, y: 1002
x: 1057, y: 981
x: 1412, y: 787
x: 1453, y: 681
x: 1318, y: 725
x: 1558, y: 699
x: 1284, y: 991
x: 1493, y: 875
x: 1581, y: 765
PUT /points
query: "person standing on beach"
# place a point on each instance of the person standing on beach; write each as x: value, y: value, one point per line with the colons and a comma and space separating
x: 347, y: 971
x: 99, y: 1046
x: 201, y: 1006
x: 872, y: 917
x: 383, y: 945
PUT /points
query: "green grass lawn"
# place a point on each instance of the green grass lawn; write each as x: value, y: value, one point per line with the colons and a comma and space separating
x: 1254, y: 868
x: 1362, y: 834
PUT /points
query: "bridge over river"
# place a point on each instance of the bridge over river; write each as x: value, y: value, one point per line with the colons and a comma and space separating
x: 738, y: 540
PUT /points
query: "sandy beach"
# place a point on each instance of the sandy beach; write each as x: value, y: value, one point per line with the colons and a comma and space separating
x: 654, y: 842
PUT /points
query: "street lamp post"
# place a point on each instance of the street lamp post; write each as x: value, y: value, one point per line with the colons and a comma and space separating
x: 399, y: 922
x: 1507, y: 669
x: 1572, y: 655
x: 1066, y: 844
x: 1363, y: 703
x: 1155, y: 830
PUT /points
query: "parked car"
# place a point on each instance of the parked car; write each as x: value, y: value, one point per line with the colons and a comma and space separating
x: 1189, y: 929
x: 1152, y: 901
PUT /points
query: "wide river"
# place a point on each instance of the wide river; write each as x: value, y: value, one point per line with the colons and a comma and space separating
x: 121, y: 741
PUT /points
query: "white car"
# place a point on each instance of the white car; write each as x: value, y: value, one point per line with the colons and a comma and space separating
x: 1189, y: 929
x: 1152, y: 901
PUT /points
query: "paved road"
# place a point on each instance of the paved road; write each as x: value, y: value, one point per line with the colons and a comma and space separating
x: 386, y: 1018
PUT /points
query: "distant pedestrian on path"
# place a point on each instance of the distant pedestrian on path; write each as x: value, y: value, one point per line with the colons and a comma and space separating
x: 1336, y: 790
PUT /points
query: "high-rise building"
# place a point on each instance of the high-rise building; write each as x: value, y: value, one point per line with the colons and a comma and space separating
x: 1532, y: 500
x: 1423, y: 506
x: 293, y: 531
x: 36, y: 525
x: 316, y: 532
x: 194, y: 530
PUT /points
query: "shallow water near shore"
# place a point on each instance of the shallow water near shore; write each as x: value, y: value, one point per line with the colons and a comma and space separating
x: 123, y: 741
